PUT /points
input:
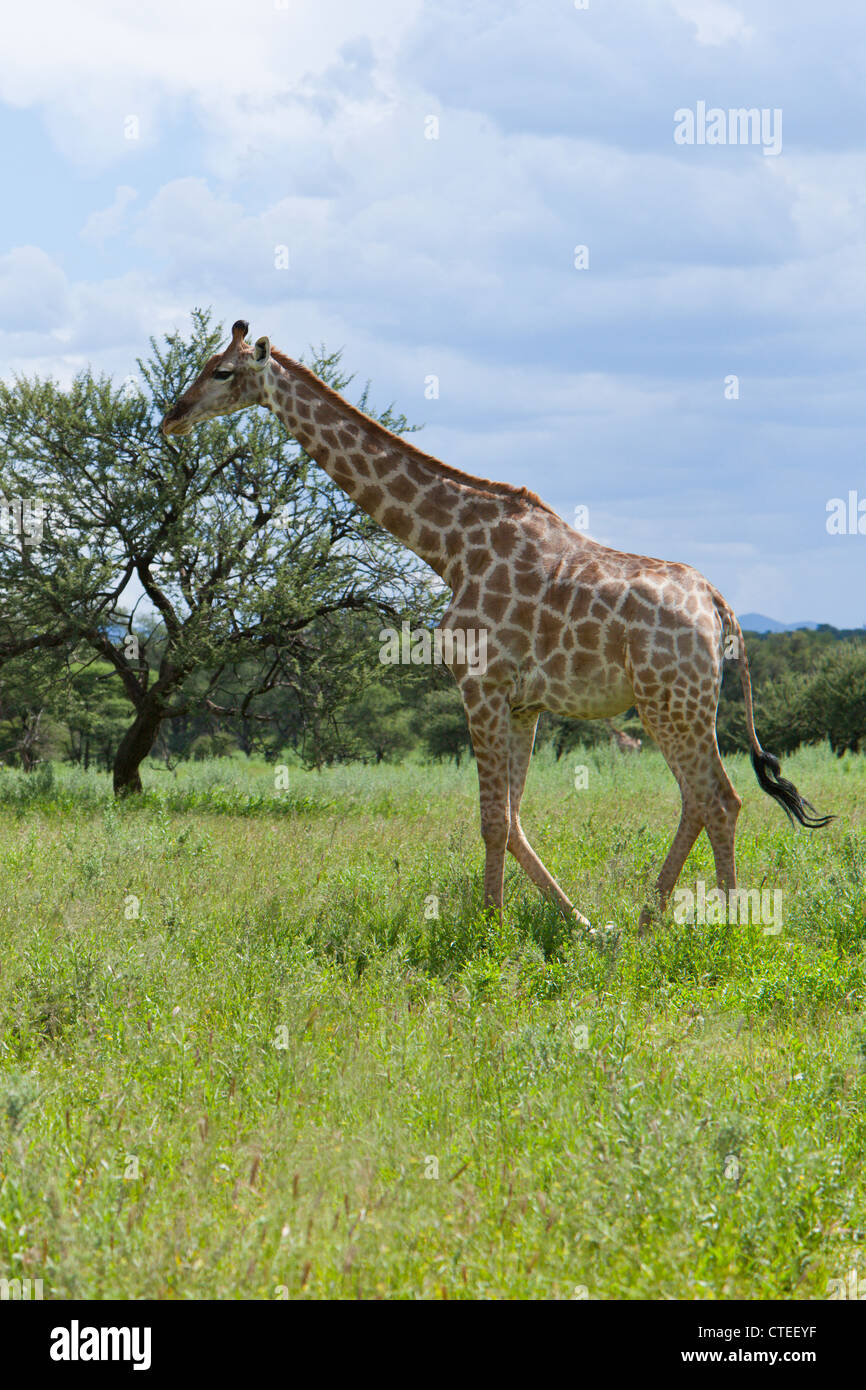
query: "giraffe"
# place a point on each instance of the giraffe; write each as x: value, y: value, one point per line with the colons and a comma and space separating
x: 623, y: 741
x: 572, y: 626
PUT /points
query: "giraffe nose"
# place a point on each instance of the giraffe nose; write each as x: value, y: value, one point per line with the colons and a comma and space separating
x: 170, y: 419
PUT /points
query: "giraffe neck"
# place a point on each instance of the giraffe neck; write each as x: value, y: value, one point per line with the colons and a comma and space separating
x: 423, y: 503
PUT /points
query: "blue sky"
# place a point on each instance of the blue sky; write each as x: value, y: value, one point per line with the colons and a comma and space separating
x: 305, y: 125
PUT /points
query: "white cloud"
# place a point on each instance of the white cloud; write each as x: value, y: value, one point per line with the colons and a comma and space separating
x: 34, y: 294
x: 90, y: 64
x: 304, y: 127
x: 715, y: 22
x: 108, y: 222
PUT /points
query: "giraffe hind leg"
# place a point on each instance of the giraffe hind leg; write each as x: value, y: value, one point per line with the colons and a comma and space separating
x: 688, y: 830
x: 709, y: 801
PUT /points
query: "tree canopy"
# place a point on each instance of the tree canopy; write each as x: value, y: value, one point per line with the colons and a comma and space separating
x: 200, y: 574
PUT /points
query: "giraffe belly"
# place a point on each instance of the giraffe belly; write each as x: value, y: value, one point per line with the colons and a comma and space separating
x: 596, y: 694
x: 601, y: 703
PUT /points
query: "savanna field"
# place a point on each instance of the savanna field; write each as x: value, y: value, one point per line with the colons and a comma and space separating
x: 243, y: 1058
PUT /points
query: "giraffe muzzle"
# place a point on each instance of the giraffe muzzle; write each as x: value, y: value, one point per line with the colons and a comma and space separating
x: 175, y: 422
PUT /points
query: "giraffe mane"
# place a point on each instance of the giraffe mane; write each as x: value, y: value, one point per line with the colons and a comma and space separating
x: 517, y: 494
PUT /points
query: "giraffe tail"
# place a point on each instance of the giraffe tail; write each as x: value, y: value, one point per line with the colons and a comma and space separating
x: 767, y: 767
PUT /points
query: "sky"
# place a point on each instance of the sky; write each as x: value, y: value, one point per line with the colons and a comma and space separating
x: 413, y: 182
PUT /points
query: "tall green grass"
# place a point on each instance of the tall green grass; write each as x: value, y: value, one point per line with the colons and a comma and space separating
x: 260, y: 1043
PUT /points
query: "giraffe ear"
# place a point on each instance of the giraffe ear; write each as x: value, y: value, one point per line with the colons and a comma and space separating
x: 261, y: 353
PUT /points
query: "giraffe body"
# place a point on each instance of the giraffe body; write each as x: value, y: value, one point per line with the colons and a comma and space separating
x: 572, y: 626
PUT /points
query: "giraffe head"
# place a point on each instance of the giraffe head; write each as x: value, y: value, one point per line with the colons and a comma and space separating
x: 230, y: 381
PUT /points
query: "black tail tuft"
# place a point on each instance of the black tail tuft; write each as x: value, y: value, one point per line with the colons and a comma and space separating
x: 767, y: 771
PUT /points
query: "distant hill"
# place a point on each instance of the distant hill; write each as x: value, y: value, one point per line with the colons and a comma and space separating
x: 759, y: 622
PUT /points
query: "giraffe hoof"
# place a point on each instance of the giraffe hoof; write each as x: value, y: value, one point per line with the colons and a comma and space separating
x: 603, y: 937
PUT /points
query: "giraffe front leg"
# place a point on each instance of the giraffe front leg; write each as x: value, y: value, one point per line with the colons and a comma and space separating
x: 521, y: 743
x: 502, y: 753
x: 488, y: 717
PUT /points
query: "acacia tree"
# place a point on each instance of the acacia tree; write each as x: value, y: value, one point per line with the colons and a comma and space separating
x: 219, y: 563
x: 835, y: 699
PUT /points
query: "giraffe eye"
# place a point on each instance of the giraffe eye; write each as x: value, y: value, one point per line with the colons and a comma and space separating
x: 223, y: 376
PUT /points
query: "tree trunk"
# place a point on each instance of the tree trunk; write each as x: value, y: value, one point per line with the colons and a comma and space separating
x: 29, y: 741
x: 134, y: 748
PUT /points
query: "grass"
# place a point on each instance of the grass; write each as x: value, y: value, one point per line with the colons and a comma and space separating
x: 260, y: 1044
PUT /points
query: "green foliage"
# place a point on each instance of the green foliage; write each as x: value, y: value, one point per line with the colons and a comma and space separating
x: 835, y: 699
x: 255, y: 572
x: 440, y: 724
x: 808, y: 687
x: 567, y: 734
x: 379, y: 722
